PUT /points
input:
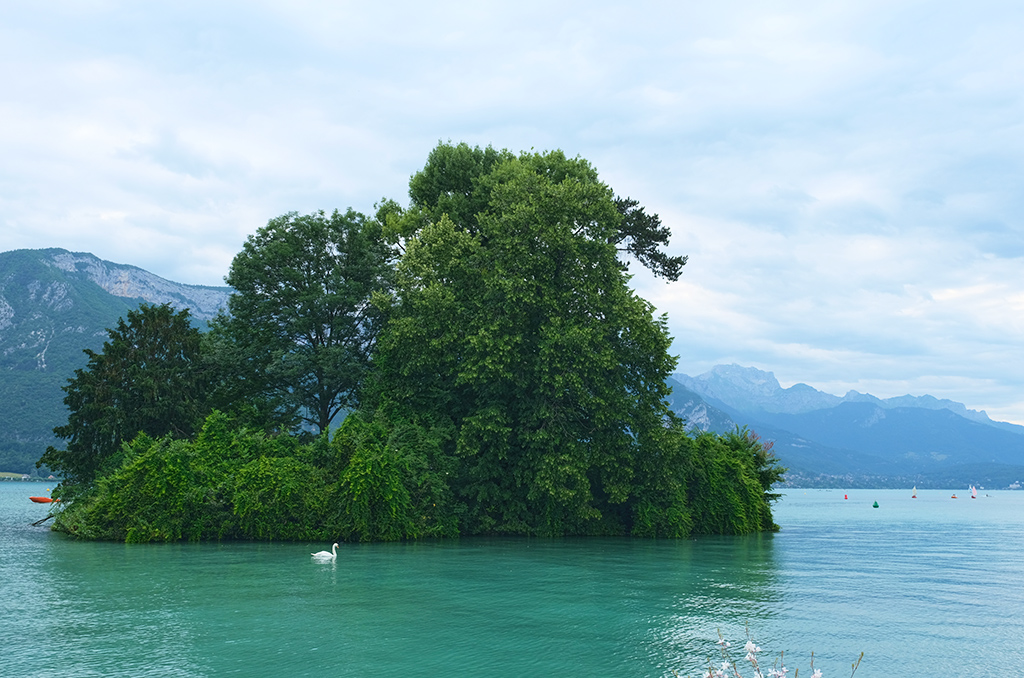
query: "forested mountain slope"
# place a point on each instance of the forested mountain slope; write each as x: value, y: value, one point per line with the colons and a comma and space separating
x: 54, y: 304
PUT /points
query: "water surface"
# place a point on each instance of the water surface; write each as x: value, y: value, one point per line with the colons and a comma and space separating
x: 926, y: 586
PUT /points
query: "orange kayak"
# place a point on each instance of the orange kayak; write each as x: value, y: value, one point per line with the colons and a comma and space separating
x: 42, y: 500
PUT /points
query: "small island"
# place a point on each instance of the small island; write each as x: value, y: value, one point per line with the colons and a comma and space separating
x: 491, y: 369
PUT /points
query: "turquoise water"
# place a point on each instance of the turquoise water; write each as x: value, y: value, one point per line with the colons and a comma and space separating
x: 924, y: 587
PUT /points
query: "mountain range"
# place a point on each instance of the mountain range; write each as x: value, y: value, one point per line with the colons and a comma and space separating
x: 857, y: 439
x: 55, y: 303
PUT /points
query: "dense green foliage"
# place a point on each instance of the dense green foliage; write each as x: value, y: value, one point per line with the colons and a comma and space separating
x: 517, y: 332
x: 367, y: 483
x: 145, y: 380
x: 727, y: 496
x: 455, y: 182
x: 506, y: 380
x: 373, y: 481
x: 296, y: 342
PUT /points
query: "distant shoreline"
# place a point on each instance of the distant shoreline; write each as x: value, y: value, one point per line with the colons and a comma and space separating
x: 22, y: 477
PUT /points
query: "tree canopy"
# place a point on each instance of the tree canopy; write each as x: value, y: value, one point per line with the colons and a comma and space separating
x: 300, y: 329
x: 147, y: 378
x: 498, y: 373
x: 514, y: 328
x: 455, y: 182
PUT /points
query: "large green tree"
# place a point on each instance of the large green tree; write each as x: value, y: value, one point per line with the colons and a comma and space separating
x: 515, y: 383
x: 454, y: 182
x: 512, y: 327
x: 297, y: 340
x: 148, y: 378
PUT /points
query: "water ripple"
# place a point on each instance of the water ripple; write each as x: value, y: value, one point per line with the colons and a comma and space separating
x: 923, y: 587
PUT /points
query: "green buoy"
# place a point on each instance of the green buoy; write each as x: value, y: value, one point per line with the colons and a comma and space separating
x: 875, y: 505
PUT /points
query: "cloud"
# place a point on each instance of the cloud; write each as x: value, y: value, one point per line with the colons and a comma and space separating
x: 844, y: 176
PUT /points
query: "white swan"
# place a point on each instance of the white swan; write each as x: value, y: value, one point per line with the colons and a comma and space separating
x: 326, y: 555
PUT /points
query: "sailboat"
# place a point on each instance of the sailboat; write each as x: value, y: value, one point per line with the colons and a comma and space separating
x: 974, y: 492
x: 913, y: 493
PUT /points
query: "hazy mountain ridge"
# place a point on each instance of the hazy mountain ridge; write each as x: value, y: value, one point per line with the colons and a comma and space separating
x: 751, y: 389
x: 53, y: 304
x: 805, y: 458
x: 695, y: 411
x: 859, y: 439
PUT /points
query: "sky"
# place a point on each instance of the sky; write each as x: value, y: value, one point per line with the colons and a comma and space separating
x: 847, y: 178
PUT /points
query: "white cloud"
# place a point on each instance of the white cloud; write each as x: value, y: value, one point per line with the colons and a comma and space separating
x: 844, y: 176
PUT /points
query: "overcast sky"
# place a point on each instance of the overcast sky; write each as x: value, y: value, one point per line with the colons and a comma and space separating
x: 847, y: 178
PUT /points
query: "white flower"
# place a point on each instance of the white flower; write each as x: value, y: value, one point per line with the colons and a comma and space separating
x: 751, y: 648
x: 816, y: 674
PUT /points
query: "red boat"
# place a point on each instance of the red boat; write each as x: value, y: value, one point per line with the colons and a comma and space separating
x: 42, y: 500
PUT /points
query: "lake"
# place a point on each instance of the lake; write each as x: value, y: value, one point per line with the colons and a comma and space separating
x: 924, y: 587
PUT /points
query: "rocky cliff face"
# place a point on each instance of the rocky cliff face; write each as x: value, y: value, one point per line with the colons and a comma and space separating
x: 54, y: 303
x: 129, y: 282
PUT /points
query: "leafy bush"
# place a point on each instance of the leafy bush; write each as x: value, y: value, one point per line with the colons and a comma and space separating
x: 150, y: 497
x: 388, y: 489
x: 726, y: 494
x: 280, y: 498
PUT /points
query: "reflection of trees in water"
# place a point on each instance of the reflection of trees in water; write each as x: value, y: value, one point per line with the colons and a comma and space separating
x: 712, y: 583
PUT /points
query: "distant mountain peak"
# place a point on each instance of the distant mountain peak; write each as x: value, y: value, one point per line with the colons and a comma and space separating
x: 749, y: 379
x: 752, y: 390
